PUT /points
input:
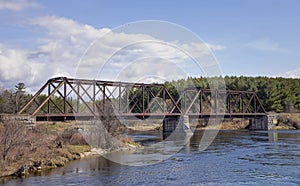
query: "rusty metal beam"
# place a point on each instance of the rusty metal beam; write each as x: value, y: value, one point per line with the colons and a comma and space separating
x: 46, y: 100
x: 34, y: 97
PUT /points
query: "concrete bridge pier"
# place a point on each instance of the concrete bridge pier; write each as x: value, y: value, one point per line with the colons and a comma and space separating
x: 258, y: 123
x: 263, y: 123
x: 176, y: 123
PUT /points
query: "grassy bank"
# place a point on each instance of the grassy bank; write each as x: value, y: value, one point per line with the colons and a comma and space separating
x: 26, y: 150
x: 48, y: 145
x: 288, y: 121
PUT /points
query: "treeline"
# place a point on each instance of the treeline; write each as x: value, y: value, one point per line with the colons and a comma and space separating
x: 12, y: 99
x: 276, y: 94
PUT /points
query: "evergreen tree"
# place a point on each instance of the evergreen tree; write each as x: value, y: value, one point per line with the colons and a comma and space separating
x: 19, y: 94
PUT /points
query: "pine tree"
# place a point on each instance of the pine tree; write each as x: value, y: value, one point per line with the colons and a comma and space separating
x: 19, y: 93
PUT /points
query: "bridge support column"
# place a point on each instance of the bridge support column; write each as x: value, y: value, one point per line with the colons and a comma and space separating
x: 178, y: 123
x: 263, y: 123
x: 259, y: 123
x: 272, y: 121
x: 169, y: 124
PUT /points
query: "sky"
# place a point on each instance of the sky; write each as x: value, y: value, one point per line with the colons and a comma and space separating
x: 41, y: 39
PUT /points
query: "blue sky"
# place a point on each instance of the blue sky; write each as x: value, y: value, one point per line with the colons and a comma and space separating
x: 253, y: 38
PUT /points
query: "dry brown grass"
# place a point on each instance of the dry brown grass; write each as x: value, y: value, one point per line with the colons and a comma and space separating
x: 77, y: 149
x: 226, y: 124
x: 49, y: 145
x: 289, y: 121
x: 39, y: 148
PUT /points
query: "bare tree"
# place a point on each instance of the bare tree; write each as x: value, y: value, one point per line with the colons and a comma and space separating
x: 12, y: 135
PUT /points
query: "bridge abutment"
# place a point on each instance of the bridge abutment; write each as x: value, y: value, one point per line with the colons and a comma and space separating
x: 26, y: 119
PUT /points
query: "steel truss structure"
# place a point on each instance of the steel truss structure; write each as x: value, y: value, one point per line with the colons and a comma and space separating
x: 68, y: 98
x: 228, y: 103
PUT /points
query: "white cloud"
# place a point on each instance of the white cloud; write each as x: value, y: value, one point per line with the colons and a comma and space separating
x: 65, y: 42
x: 13, y: 63
x: 16, y: 65
x: 266, y: 45
x: 214, y: 47
x: 17, y: 5
x: 59, y: 27
x: 292, y: 74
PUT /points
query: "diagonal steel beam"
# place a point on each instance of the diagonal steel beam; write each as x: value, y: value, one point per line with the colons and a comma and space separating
x: 79, y: 96
x: 248, y: 106
x: 34, y: 97
x: 236, y: 101
x: 62, y: 112
x: 153, y: 101
x: 193, y: 101
x: 64, y: 97
x: 47, y: 99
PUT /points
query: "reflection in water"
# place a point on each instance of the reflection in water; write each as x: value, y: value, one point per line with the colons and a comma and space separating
x: 234, y: 158
x: 273, y: 136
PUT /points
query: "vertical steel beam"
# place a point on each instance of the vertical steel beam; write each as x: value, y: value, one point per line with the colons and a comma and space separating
x: 49, y: 91
x: 120, y: 97
x: 201, y: 101
x: 242, y: 100
x: 143, y: 99
x: 229, y: 103
x: 255, y: 109
x: 65, y: 97
x: 148, y: 98
x: 78, y: 94
x: 94, y: 96
x: 216, y: 101
x: 164, y: 100
x: 127, y: 99
x: 103, y: 101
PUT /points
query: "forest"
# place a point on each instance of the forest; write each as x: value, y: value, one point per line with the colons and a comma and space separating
x: 277, y: 94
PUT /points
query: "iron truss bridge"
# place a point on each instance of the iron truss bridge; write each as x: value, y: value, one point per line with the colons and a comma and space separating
x: 64, y: 98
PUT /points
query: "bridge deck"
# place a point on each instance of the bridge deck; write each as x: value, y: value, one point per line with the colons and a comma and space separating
x: 63, y: 117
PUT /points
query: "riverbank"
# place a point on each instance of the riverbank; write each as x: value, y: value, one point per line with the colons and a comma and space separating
x: 288, y: 121
x: 47, y: 146
x: 53, y: 144
x: 285, y: 121
x: 236, y: 157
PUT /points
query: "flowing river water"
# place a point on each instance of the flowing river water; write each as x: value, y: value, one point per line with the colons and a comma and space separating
x: 234, y: 158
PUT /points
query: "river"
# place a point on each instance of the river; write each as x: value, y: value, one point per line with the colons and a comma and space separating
x: 234, y: 158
